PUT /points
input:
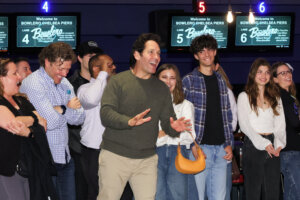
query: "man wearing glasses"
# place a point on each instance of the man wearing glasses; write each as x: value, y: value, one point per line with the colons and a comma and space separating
x: 53, y: 97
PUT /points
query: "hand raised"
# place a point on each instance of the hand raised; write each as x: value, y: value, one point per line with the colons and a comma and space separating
x: 139, y: 118
x: 180, y: 124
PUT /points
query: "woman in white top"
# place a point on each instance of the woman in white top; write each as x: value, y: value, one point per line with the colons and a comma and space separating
x: 261, y: 118
x: 171, y: 184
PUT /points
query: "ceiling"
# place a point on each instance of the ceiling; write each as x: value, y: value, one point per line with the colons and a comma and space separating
x: 284, y: 2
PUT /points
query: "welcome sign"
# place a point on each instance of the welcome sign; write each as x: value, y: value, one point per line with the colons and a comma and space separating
x: 40, y: 31
x: 266, y: 31
x: 185, y: 28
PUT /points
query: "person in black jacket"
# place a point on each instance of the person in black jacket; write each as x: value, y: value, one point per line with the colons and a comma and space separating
x: 25, y: 158
x: 290, y: 155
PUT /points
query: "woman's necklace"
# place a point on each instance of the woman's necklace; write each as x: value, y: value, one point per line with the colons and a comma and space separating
x: 263, y: 101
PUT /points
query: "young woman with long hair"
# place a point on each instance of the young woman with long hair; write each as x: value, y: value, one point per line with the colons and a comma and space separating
x: 261, y: 118
x: 171, y: 184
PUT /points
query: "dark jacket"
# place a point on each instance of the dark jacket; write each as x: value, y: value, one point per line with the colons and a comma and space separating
x: 292, y: 122
x: 34, y: 153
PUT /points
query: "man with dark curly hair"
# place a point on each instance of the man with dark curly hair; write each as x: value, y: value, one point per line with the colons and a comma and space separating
x: 207, y: 90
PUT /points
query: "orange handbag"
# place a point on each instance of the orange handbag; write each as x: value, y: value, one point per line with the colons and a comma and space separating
x: 186, y: 166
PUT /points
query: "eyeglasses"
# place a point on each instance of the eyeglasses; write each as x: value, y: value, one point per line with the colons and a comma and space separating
x: 284, y: 73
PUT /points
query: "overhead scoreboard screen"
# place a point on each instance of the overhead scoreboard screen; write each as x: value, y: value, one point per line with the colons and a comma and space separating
x: 3, y: 33
x: 40, y: 31
x: 273, y: 31
x: 185, y: 28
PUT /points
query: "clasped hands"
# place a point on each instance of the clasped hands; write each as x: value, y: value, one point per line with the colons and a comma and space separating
x: 19, y: 125
x: 271, y: 151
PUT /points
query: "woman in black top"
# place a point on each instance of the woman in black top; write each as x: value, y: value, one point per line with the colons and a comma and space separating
x: 25, y: 159
x: 290, y: 155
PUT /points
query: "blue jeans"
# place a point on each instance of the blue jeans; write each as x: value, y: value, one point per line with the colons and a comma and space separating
x: 290, y: 165
x: 212, y: 180
x: 228, y: 181
x: 192, y: 188
x: 64, y: 182
x: 171, y: 184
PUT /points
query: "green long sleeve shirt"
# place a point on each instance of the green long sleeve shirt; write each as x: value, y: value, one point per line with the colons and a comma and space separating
x: 126, y: 96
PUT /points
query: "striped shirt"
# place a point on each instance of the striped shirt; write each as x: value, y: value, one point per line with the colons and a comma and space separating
x: 195, y: 91
x: 44, y: 95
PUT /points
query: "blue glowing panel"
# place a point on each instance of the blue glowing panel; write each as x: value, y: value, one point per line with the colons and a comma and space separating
x: 40, y: 31
x: 3, y: 33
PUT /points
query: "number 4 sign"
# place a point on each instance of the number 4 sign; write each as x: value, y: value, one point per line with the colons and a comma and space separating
x: 45, y: 6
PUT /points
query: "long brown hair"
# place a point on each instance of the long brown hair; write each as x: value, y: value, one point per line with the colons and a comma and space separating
x: 178, y: 95
x: 224, y: 76
x: 271, y: 93
x: 3, y: 71
x: 292, y: 88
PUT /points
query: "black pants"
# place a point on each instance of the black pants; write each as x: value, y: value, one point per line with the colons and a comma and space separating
x: 262, y: 173
x: 80, y: 182
x: 90, y: 166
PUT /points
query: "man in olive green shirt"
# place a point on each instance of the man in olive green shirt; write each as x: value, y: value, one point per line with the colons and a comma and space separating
x: 132, y: 104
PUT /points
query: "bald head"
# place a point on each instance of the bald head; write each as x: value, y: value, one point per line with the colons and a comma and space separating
x: 101, y: 62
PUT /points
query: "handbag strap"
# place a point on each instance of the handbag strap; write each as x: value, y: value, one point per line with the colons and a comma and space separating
x: 197, y: 146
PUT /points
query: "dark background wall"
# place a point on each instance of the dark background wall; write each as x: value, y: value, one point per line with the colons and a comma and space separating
x: 115, y: 24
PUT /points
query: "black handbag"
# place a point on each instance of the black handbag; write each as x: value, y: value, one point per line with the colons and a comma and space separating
x: 21, y: 167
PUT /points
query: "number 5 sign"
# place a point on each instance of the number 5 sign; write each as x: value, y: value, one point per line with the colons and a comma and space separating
x: 201, y: 7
